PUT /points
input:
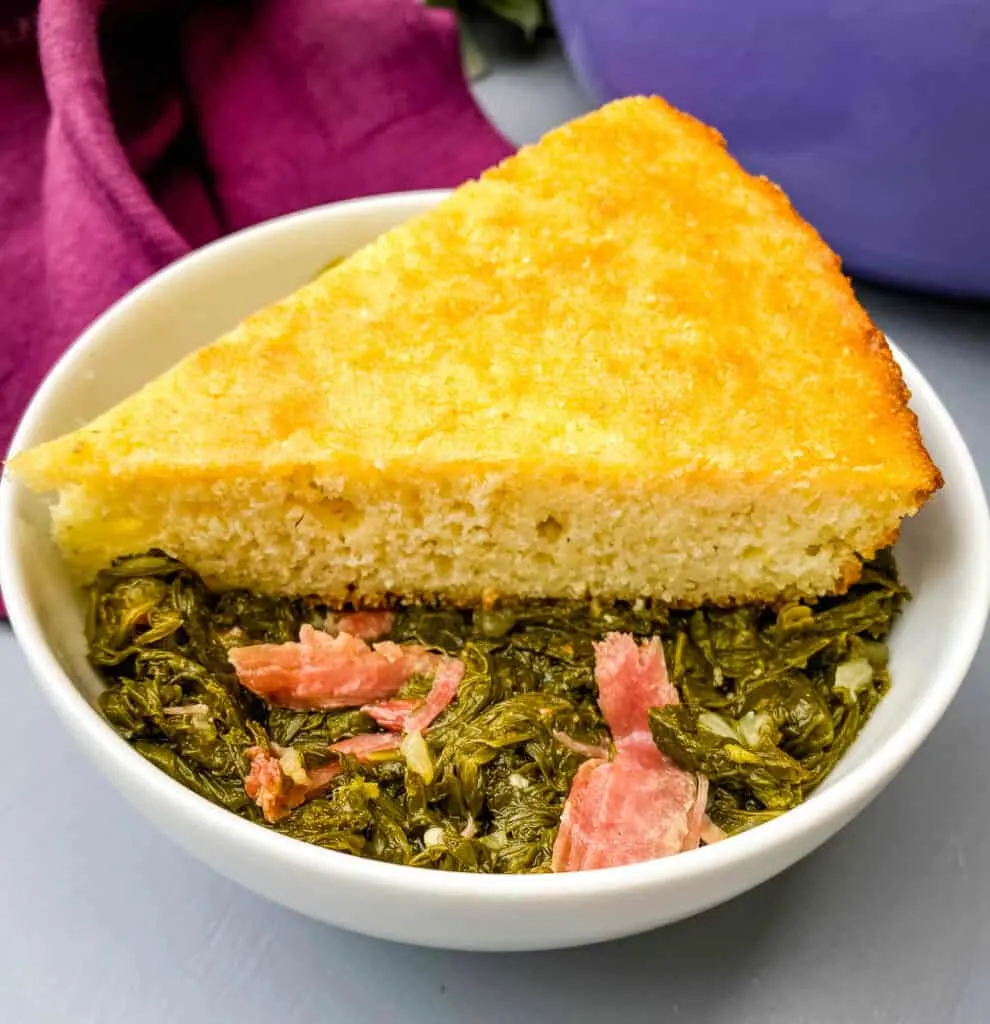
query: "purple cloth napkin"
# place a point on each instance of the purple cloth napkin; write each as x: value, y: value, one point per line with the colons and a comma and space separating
x: 133, y: 131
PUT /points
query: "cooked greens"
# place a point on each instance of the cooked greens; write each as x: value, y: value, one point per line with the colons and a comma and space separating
x: 773, y: 701
x: 770, y: 701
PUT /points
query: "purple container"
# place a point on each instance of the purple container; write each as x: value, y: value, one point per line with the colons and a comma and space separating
x: 873, y: 115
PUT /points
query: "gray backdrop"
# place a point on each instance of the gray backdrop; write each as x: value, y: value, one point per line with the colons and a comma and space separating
x: 102, y: 920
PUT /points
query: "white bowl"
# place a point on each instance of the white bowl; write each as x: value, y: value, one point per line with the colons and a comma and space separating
x: 944, y: 556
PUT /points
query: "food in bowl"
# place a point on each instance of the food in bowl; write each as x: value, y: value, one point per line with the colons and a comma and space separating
x: 545, y: 532
x: 519, y: 707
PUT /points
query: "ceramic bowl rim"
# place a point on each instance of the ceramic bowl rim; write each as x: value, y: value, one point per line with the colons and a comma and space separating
x: 828, y: 809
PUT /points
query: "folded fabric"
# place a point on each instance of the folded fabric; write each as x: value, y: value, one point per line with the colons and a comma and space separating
x: 134, y: 131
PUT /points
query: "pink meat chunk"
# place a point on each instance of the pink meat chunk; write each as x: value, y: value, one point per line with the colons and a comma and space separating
x: 404, y: 716
x: 631, y: 679
x: 640, y: 806
x: 275, y: 792
x: 366, y: 625
x: 268, y: 787
x: 392, y: 714
x: 627, y: 813
x: 446, y: 683
x: 314, y: 673
x: 571, y: 845
x: 320, y: 778
x: 710, y: 832
x: 324, y: 672
x: 417, y: 715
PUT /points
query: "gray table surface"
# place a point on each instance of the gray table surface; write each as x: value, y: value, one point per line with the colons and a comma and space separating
x: 102, y: 920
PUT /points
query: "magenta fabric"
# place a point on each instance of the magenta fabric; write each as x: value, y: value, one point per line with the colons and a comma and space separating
x: 131, y: 132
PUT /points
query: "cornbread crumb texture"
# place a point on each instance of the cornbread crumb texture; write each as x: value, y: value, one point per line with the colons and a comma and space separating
x: 451, y: 540
x: 616, y: 363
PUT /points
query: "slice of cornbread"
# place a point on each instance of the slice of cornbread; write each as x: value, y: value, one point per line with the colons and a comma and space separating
x: 616, y: 364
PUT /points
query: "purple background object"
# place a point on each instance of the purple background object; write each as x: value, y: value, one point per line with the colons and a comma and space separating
x: 874, y: 115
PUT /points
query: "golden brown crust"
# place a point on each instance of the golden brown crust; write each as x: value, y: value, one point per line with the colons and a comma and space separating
x: 930, y: 478
x: 849, y: 573
x: 624, y: 280
x: 621, y: 305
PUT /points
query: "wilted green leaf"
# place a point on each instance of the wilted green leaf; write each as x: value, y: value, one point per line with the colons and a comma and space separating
x: 770, y: 701
x: 227, y: 793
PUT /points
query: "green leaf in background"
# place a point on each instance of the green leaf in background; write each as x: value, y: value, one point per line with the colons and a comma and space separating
x: 473, y: 59
x: 528, y: 16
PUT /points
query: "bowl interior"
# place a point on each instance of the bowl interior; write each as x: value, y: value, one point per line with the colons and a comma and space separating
x: 944, y: 554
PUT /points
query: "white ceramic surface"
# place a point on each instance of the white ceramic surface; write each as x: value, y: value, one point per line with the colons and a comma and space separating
x: 944, y: 556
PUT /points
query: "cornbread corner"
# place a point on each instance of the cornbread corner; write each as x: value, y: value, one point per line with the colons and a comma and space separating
x: 616, y: 364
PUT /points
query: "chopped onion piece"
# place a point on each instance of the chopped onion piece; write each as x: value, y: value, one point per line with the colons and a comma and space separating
x: 853, y: 676
x: 757, y: 729
x: 433, y: 836
x: 718, y: 725
x: 187, y: 709
x: 494, y: 841
x: 417, y: 754
x: 291, y: 764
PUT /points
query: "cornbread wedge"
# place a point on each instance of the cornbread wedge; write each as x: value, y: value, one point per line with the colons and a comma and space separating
x: 615, y: 364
